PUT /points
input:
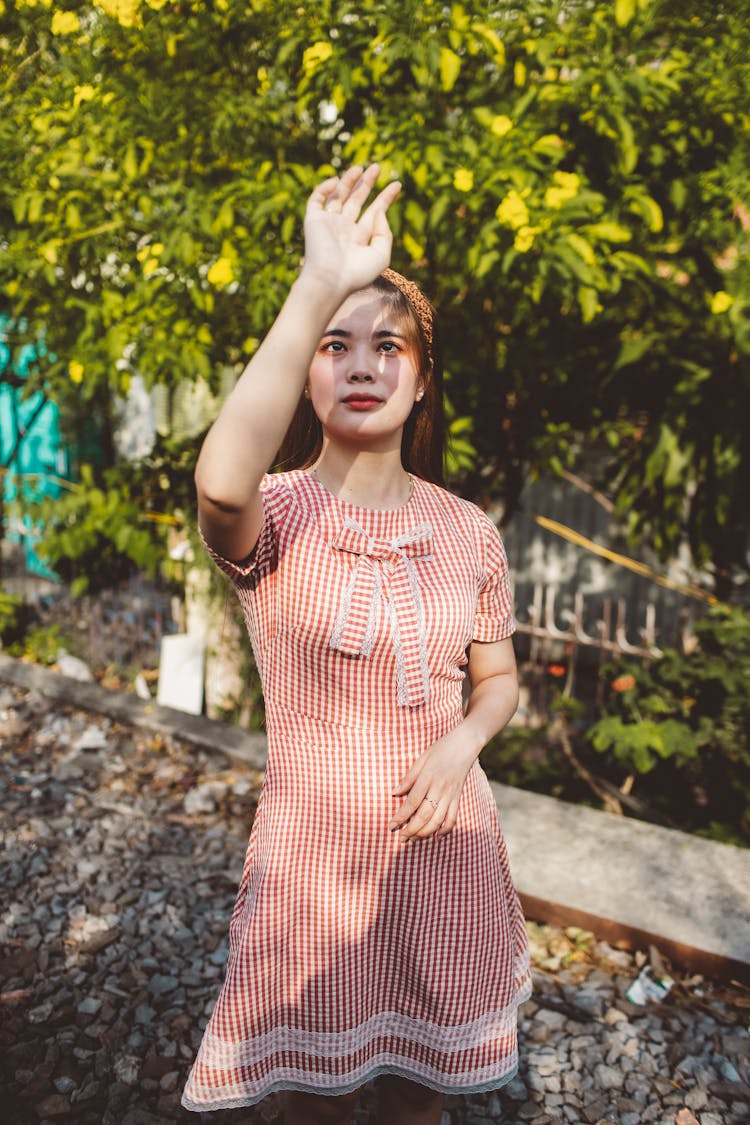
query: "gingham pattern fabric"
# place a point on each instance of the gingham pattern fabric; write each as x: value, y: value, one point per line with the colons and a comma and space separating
x: 354, y: 953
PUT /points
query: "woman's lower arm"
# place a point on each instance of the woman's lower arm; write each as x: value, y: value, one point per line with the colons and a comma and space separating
x: 242, y: 442
x: 492, y: 704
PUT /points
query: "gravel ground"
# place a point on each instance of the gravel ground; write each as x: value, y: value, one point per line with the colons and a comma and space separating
x: 121, y: 855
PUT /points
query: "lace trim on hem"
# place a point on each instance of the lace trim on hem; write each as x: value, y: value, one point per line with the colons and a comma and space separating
x: 299, y: 1084
x: 216, y: 1052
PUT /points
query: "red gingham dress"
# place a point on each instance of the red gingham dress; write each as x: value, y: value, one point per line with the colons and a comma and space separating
x: 354, y: 953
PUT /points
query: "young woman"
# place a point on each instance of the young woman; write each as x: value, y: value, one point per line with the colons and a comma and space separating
x: 376, y: 930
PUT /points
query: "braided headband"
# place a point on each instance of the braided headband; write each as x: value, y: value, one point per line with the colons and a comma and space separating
x: 418, y: 302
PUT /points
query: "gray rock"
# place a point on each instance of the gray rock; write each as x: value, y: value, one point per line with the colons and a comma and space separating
x: 64, y: 1085
x: 42, y: 1012
x: 159, y: 984
x: 55, y: 1105
x: 127, y: 1068
x: 607, y: 1077
x: 145, y: 1014
x: 89, y: 1006
x: 726, y: 1069
x: 516, y: 1089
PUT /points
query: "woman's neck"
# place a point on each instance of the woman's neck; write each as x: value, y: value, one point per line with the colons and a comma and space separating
x: 367, y: 480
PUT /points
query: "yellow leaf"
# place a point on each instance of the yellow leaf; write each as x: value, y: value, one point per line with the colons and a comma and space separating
x: 655, y: 215
x: 588, y: 299
x: 493, y: 40
x: 313, y: 57
x: 609, y: 232
x: 501, y: 125
x: 519, y: 73
x: 450, y: 65
x: 549, y: 143
x: 624, y: 12
x: 221, y: 273
x: 582, y: 248
x: 49, y: 251
x: 75, y: 371
x: 649, y: 210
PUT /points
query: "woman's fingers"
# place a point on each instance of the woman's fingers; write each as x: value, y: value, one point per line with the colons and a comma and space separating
x: 347, y: 194
x: 450, y: 820
x: 375, y: 213
x: 426, y: 820
x: 345, y: 185
x: 359, y: 189
x: 320, y: 195
x: 420, y: 815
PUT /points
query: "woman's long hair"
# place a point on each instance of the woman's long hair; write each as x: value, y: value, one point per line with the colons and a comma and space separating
x: 423, y: 440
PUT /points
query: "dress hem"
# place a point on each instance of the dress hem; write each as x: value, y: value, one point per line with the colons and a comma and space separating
x: 495, y: 1083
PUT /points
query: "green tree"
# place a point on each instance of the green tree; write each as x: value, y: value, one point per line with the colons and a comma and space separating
x: 575, y: 201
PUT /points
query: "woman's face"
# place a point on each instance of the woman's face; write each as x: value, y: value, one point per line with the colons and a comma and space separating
x: 363, y: 381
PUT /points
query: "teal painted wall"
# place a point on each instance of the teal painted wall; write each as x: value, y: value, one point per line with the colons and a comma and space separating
x: 40, y: 457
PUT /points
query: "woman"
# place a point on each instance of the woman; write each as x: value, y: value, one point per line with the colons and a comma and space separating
x: 376, y: 929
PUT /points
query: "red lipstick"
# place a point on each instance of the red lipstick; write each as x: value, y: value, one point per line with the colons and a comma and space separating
x: 361, y: 401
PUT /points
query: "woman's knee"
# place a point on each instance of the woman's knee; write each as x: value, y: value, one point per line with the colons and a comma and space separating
x: 321, y: 1109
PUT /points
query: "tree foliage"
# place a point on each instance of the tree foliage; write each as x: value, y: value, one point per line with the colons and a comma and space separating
x: 686, y: 721
x: 575, y: 201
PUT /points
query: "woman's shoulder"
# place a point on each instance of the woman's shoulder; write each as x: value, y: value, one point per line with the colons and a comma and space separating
x: 466, y: 519
x: 466, y: 511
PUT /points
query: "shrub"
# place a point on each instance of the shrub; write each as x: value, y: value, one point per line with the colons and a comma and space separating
x: 682, y: 725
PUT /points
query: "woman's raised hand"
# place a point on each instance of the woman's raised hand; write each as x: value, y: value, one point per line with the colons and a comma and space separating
x: 344, y: 244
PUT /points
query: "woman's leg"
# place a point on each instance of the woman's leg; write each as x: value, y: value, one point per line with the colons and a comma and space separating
x: 408, y: 1103
x: 319, y: 1109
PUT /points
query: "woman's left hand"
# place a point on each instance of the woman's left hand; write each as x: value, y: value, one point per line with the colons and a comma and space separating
x: 433, y: 788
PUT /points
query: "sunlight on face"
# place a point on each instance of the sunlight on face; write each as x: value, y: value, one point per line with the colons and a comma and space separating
x: 363, y: 380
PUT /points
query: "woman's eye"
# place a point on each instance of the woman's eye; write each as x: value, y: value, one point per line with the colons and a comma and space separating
x: 333, y: 346
x: 389, y: 346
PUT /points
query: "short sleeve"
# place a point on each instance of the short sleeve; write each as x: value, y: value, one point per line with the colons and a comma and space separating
x: 494, y: 619
x: 242, y: 571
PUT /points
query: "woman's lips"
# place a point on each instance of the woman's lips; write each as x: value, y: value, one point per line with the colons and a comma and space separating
x: 361, y: 402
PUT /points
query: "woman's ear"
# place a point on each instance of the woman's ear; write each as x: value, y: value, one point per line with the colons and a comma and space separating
x: 307, y: 390
x: 420, y: 394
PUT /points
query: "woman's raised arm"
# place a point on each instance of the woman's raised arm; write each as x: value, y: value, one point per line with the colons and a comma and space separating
x: 345, y: 249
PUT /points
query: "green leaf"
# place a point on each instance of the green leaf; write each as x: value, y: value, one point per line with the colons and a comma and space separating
x: 634, y: 349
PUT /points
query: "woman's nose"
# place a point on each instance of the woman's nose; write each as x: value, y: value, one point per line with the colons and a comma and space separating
x: 359, y: 375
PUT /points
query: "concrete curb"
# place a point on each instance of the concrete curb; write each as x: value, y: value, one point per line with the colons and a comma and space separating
x: 124, y: 707
x: 631, y: 882
x: 626, y: 880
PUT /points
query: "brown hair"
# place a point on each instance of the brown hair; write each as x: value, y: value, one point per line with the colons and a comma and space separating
x: 423, y: 439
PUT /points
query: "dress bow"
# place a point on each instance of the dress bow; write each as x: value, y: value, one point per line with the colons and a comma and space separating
x: 378, y: 562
